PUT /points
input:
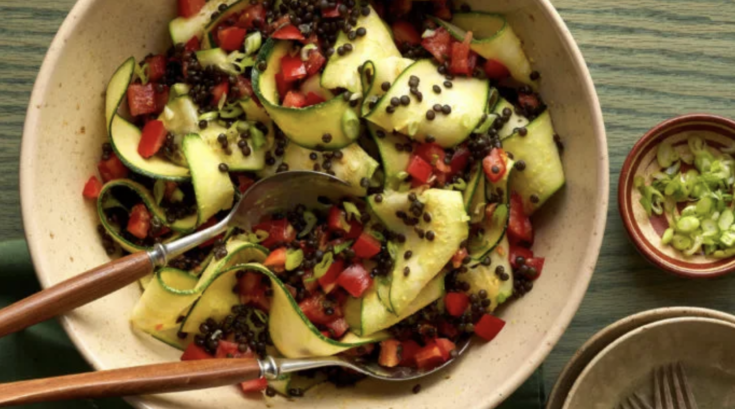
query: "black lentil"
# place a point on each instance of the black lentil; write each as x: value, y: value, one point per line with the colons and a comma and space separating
x: 522, y: 131
x: 448, y: 84
x: 223, y: 167
x: 385, y: 86
x: 327, y: 137
x: 534, y: 198
x: 535, y: 75
x: 437, y: 107
x: 361, y: 31
x: 405, y: 100
x: 390, y: 109
x: 446, y: 109
x: 430, y: 115
x: 407, y: 255
x: 430, y: 235
x: 520, y: 165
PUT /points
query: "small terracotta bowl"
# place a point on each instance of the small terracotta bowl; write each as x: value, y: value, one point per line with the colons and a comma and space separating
x: 644, y: 231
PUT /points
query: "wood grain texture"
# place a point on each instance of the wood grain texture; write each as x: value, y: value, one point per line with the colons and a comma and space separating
x: 74, y: 292
x: 142, y: 380
x: 650, y: 59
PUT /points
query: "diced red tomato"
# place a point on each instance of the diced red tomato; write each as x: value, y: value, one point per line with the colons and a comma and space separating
x: 519, y: 225
x: 279, y: 231
x: 156, y: 67
x: 489, y: 327
x: 193, y: 44
x: 528, y: 101
x: 294, y: 99
x: 310, y: 284
x: 288, y: 32
x: 494, y: 165
x: 405, y: 33
x: 390, y: 355
x: 431, y: 153
x: 139, y: 222
x: 447, y: 329
x: 472, y: 62
x: 337, y: 219
x: 276, y: 258
x: 439, y: 45
x: 362, y: 350
x: 419, y: 169
x: 152, y: 139
x: 429, y: 356
x: 537, y: 263
x: 92, y: 188
x: 331, y: 12
x: 456, y: 303
x: 442, y: 10
x: 220, y: 91
x: 355, y: 230
x: 253, y: 17
x: 313, y: 308
x: 516, y: 251
x: 194, y: 353
x: 329, y: 279
x: 189, y: 8
x: 355, y: 279
x: 293, y: 68
x: 315, y: 62
x: 409, y: 349
x: 244, y: 183
x: 244, y: 87
x: 339, y: 327
x: 446, y: 347
x: 460, y: 56
x: 256, y: 385
x: 460, y: 159
x: 162, y: 99
x: 379, y: 8
x: 112, y: 169
x: 496, y: 70
x: 282, y: 85
x: 366, y: 246
x: 231, y: 38
x: 227, y: 349
x: 141, y: 99
x: 252, y: 291
x: 313, y: 99
x: 458, y: 257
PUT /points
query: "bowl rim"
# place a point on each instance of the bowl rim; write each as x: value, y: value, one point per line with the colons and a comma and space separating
x: 604, y: 337
x: 625, y: 185
x: 30, y: 142
x: 640, y: 330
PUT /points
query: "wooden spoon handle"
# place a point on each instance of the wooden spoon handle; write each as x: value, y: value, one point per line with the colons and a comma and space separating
x: 141, y: 380
x: 74, y: 292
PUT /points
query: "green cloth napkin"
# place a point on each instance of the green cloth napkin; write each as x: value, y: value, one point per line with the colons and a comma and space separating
x: 45, y: 350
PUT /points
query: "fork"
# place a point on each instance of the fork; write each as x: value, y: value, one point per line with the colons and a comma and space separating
x: 670, y: 385
x: 635, y: 402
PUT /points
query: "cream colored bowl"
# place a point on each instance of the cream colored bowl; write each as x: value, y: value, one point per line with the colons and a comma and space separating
x: 61, y: 146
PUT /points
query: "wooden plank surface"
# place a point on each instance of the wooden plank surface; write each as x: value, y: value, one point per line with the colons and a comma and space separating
x: 650, y: 59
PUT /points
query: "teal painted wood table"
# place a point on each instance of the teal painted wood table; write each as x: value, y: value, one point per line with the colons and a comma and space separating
x: 650, y: 60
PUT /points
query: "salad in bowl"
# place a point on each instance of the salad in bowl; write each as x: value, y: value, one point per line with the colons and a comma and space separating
x: 430, y: 114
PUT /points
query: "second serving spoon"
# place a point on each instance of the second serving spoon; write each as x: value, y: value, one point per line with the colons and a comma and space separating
x: 273, y: 194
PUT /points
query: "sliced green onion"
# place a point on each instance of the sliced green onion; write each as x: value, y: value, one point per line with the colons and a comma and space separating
x: 687, y: 224
x: 258, y: 236
x: 230, y: 111
x: 208, y: 116
x: 709, y: 228
x: 639, y: 181
x: 500, y: 215
x: 392, y: 250
x: 311, y: 221
x: 413, y: 127
x: 428, y: 33
x: 402, y: 175
x: 696, y: 245
x: 294, y: 258
x: 322, y: 268
x: 159, y: 188
x: 728, y: 238
x: 486, y: 124
x: 253, y: 42
x: 177, y: 195
x: 704, y: 206
x: 668, y: 235
x: 378, y: 235
x: 305, y: 51
x: 110, y: 202
x: 352, y: 210
x: 343, y: 246
x: 696, y: 144
x: 257, y: 137
x: 461, y: 185
x: 726, y: 219
x: 142, y: 73
x: 680, y: 242
x: 666, y: 155
x: 180, y: 89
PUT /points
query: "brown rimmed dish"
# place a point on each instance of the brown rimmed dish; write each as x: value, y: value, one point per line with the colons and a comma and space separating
x: 645, y: 232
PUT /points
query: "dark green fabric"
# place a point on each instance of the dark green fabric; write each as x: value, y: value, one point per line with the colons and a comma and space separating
x: 45, y: 350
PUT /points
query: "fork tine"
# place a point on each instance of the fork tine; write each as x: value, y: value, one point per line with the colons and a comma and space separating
x: 641, y: 403
x: 667, y: 384
x: 688, y: 395
x: 678, y: 393
x: 657, y: 399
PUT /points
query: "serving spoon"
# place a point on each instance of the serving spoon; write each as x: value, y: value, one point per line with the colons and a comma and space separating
x: 190, y: 375
x: 273, y: 194
x: 276, y: 193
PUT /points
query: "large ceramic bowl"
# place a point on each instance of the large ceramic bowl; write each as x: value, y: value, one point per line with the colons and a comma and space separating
x: 65, y: 127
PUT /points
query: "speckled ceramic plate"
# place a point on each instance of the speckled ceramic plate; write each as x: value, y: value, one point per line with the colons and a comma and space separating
x: 605, y: 337
x: 705, y: 347
x: 61, y: 146
x: 644, y: 231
